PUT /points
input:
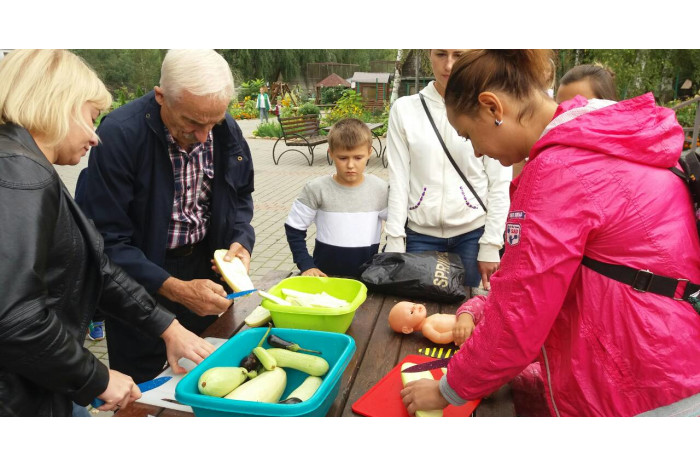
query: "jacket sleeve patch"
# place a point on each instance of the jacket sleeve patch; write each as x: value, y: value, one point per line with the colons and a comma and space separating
x: 513, y: 234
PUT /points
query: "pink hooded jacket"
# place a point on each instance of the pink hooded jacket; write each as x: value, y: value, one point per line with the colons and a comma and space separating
x: 597, y: 184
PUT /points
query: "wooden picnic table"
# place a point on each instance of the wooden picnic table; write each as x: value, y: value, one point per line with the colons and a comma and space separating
x: 379, y: 349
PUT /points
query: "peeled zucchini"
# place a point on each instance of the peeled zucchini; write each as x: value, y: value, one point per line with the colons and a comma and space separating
x: 266, y: 387
x: 233, y: 272
x: 305, y: 390
x: 259, y: 316
x: 408, y: 377
x: 309, y: 364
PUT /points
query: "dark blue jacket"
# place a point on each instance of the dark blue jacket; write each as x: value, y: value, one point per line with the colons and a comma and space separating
x: 128, y: 189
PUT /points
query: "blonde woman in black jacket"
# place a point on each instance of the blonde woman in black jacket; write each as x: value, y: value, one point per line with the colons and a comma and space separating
x: 53, y: 270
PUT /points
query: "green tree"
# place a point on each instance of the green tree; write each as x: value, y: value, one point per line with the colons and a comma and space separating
x: 125, y: 68
x: 637, y: 71
x: 291, y: 63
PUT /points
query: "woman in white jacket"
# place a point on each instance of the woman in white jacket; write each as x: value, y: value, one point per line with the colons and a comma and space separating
x: 430, y: 206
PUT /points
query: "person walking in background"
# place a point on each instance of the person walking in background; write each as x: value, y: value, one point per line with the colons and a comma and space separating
x: 263, y: 104
x: 54, y: 271
x: 590, y: 81
x: 588, y: 196
x: 172, y: 183
x: 430, y: 206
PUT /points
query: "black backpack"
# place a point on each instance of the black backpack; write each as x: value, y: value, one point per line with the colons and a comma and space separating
x: 643, y: 280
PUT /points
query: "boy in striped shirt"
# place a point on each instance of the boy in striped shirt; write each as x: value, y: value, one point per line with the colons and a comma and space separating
x: 348, y: 208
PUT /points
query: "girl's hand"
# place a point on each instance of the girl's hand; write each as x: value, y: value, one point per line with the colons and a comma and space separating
x: 423, y: 394
x: 464, y: 326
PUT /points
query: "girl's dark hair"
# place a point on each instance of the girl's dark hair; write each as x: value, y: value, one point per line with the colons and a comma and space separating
x: 519, y: 73
x: 602, y: 79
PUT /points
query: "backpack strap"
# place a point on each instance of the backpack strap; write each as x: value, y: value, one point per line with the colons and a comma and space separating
x: 642, y: 280
x: 690, y: 163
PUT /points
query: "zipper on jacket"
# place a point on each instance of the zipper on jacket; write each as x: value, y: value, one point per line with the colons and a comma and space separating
x: 442, y: 201
x: 549, y: 382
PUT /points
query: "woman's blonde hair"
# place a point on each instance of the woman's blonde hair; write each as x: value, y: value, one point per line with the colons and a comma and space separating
x: 199, y: 71
x: 44, y: 91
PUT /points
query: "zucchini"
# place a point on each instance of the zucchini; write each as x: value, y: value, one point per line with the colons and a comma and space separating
x: 266, y: 387
x: 233, y: 272
x: 221, y: 380
x: 259, y: 316
x: 305, y: 390
x: 310, y: 364
x: 408, y: 377
x: 267, y: 360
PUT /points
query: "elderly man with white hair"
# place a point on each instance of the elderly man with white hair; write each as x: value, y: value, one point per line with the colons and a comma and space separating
x: 170, y: 183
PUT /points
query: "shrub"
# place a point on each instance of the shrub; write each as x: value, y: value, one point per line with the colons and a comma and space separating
x: 308, y: 109
x: 332, y: 94
x: 269, y: 129
x: 686, y: 115
x: 251, y: 88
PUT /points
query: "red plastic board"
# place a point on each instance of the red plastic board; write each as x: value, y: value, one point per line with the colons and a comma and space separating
x: 384, y: 398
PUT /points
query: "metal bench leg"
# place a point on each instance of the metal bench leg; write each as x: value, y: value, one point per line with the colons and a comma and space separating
x: 273, y: 152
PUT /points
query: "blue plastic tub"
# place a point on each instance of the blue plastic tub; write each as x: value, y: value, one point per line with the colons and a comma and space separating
x: 336, y: 348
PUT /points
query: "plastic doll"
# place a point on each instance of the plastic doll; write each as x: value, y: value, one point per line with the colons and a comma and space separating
x: 407, y: 317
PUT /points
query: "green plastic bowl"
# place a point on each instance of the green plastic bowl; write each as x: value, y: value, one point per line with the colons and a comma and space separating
x: 316, y: 318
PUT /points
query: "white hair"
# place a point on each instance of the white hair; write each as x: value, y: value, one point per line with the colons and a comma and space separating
x: 202, y: 72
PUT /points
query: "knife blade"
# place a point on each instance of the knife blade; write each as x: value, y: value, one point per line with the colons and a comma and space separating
x: 242, y: 293
x: 439, y: 363
x: 145, y: 386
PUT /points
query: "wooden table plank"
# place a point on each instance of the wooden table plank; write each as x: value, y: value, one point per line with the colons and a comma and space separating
x: 137, y: 409
x: 380, y: 357
x: 361, y: 329
x: 498, y: 404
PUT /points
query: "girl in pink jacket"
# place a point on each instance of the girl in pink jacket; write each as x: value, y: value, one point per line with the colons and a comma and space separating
x: 596, y: 184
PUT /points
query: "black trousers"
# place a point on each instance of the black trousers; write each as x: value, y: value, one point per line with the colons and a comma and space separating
x: 141, y: 356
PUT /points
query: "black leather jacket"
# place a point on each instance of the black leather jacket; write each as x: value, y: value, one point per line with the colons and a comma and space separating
x: 53, y: 275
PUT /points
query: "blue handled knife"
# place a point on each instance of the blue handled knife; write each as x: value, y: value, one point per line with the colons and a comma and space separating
x: 145, y: 386
x: 242, y: 293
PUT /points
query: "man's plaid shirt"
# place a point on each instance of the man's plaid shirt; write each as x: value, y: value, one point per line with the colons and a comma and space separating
x: 194, y: 173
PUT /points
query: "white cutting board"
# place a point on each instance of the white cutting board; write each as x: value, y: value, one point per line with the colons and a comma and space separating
x: 167, y: 390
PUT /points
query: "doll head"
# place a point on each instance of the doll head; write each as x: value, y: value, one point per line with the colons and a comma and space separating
x: 407, y: 317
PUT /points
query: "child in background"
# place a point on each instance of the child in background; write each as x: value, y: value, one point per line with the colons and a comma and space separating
x: 347, y: 207
x: 263, y: 104
x: 590, y: 81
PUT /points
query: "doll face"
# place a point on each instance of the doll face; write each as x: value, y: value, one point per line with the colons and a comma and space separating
x: 406, y: 317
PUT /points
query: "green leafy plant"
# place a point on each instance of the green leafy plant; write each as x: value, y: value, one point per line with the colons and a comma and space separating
x: 352, y: 106
x: 308, y: 108
x: 250, y: 88
x: 268, y: 129
x: 332, y: 94
x: 685, y: 115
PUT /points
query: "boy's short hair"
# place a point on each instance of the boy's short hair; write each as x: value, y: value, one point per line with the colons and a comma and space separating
x: 349, y: 133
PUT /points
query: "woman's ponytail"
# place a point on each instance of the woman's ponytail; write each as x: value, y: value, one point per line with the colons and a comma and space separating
x: 520, y: 73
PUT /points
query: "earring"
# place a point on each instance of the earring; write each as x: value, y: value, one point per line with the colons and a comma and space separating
x: 498, y: 122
